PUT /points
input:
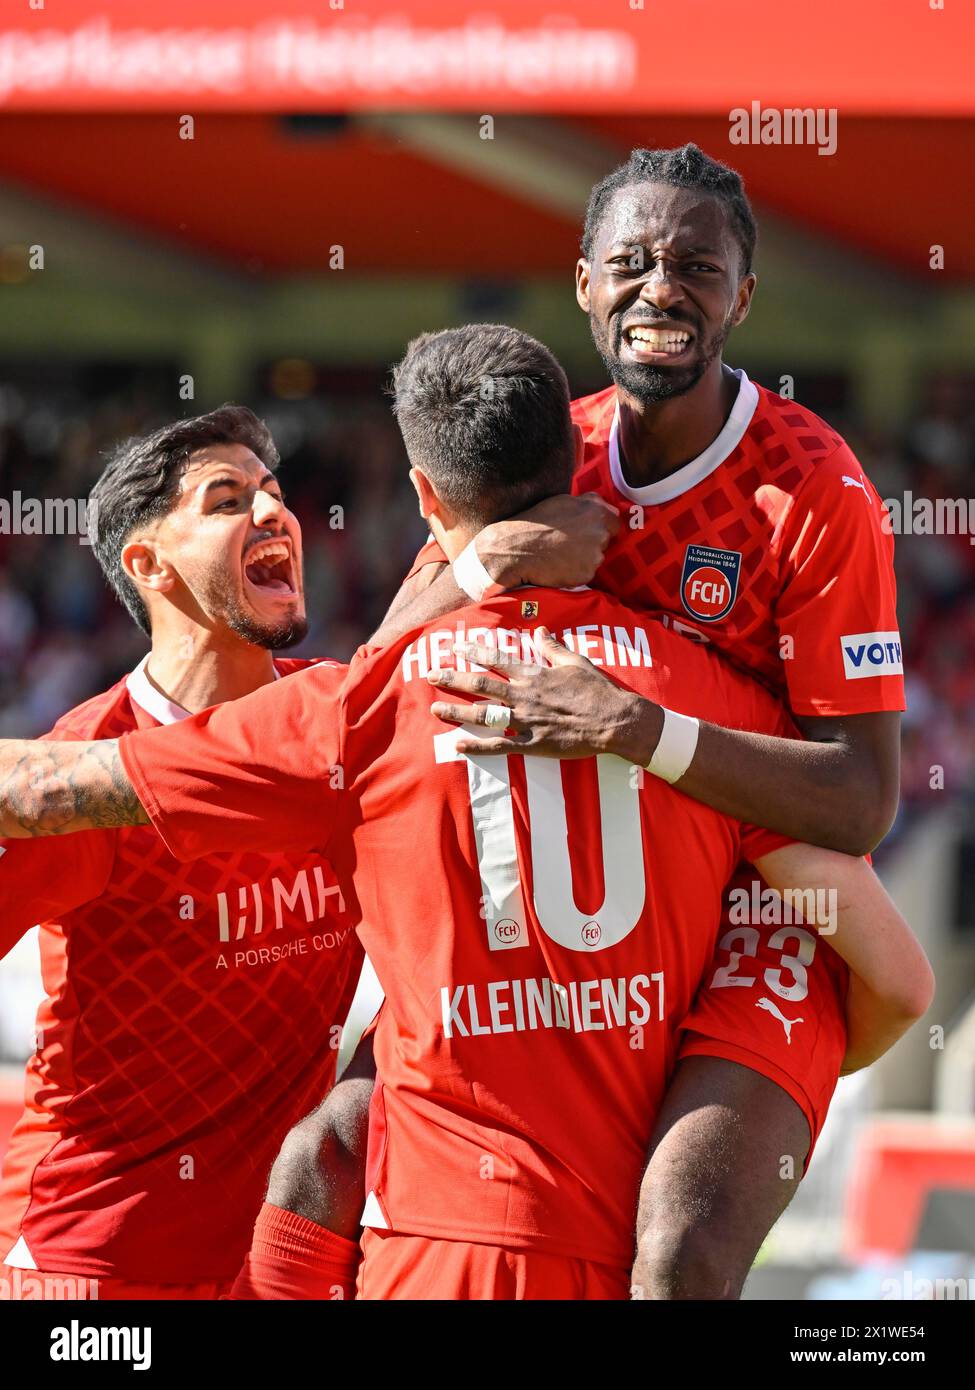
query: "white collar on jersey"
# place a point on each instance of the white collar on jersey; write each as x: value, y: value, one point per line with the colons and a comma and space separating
x: 694, y: 472
x: 143, y: 693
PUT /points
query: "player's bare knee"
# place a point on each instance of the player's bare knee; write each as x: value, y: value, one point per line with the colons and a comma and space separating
x: 342, y: 1122
x: 297, y: 1168
x: 680, y: 1259
x: 319, y: 1171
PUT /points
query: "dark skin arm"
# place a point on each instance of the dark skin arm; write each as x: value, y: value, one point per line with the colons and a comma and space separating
x: 837, y: 789
x: 559, y: 543
x: 52, y: 788
x: 320, y: 1171
x: 405, y: 602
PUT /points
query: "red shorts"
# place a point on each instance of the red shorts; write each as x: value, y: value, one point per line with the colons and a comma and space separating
x: 397, y: 1266
x: 774, y: 1000
x: 21, y: 1285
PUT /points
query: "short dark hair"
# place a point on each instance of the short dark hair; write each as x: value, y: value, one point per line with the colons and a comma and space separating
x: 686, y: 167
x: 140, y: 483
x: 484, y: 412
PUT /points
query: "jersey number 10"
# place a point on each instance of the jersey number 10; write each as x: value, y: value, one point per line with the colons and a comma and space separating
x: 492, y: 812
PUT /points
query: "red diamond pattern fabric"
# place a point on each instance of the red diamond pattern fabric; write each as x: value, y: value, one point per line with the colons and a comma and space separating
x: 192, y: 1016
x: 816, y: 563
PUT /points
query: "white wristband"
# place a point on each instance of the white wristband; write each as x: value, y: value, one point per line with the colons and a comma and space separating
x: 675, y: 748
x: 472, y: 577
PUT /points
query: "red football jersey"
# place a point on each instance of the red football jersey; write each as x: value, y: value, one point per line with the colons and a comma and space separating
x: 539, y: 928
x: 771, y: 544
x: 192, y: 1016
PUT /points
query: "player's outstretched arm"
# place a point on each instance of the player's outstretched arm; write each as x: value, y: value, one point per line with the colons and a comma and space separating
x: 837, y: 788
x: 55, y: 788
x: 891, y: 982
x: 558, y: 543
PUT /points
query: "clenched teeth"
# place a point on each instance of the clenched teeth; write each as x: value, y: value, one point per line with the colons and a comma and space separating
x: 660, y: 339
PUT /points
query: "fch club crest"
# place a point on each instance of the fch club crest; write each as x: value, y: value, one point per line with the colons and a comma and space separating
x: 709, y: 583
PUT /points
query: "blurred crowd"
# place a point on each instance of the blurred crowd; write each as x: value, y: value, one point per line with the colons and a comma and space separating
x: 63, y: 637
x: 933, y: 458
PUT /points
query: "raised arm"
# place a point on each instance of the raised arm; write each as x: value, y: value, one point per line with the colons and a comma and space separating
x: 559, y: 543
x: 891, y: 982
x: 56, y: 788
x: 837, y: 789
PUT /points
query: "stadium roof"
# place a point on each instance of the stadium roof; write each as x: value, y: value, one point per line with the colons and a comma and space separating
x: 424, y: 193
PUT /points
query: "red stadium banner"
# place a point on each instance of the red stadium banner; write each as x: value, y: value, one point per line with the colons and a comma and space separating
x: 861, y: 56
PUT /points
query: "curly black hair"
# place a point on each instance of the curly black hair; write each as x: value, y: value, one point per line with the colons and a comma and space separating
x: 686, y: 167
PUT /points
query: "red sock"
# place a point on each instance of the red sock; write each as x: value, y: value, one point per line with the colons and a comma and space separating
x: 292, y: 1257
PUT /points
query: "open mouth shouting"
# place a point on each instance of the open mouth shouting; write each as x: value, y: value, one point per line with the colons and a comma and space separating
x: 655, y: 343
x: 269, y: 569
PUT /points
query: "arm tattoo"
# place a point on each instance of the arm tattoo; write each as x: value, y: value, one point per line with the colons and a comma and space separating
x: 53, y: 788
